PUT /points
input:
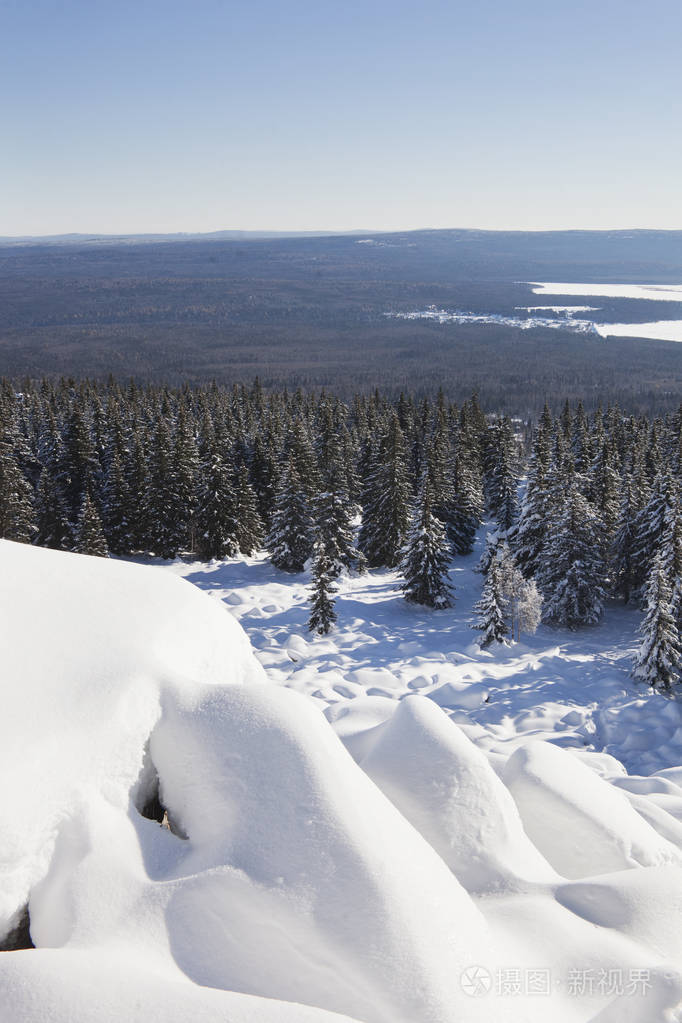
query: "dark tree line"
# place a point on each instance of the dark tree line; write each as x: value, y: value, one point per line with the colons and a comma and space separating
x: 213, y: 472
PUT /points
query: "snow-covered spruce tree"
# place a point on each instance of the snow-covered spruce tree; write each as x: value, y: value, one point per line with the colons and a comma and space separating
x: 500, y: 473
x: 333, y: 517
x: 322, y: 590
x: 160, y: 498
x: 115, y: 503
x: 426, y: 557
x: 90, y: 537
x: 249, y: 525
x: 528, y: 535
x: 52, y: 518
x: 492, y: 608
x: 386, y: 500
x: 465, y: 512
x: 17, y: 514
x: 216, y: 523
x: 649, y: 526
x: 185, y: 492
x: 572, y: 573
x: 621, y: 560
x: 80, y: 467
x: 659, y: 657
x: 290, y: 540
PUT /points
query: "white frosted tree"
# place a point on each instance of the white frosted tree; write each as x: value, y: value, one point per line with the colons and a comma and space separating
x: 524, y: 601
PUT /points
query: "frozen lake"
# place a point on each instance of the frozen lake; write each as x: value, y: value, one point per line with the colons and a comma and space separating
x: 663, y: 330
x: 572, y: 317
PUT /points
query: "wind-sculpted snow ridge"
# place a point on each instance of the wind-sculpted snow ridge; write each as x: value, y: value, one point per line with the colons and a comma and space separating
x: 419, y: 880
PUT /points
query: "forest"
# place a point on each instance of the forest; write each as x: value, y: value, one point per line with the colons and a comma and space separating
x: 211, y: 472
x: 311, y: 312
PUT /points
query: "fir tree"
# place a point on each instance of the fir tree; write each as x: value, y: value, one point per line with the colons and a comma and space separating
x: 90, y: 537
x: 426, y: 558
x: 658, y: 659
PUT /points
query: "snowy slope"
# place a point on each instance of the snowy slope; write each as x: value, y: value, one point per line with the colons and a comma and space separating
x: 453, y: 863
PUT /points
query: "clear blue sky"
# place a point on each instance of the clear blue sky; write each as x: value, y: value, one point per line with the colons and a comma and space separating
x: 140, y: 116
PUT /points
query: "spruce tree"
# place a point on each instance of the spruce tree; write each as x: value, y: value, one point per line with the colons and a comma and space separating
x: 161, y: 505
x: 386, y: 500
x: 52, y: 516
x: 426, y: 557
x: 659, y: 657
x: 90, y: 537
x: 290, y: 539
x: 216, y: 518
x: 492, y: 607
x: 249, y: 526
x: 17, y: 514
x: 322, y: 591
x: 572, y: 574
x: 115, y: 507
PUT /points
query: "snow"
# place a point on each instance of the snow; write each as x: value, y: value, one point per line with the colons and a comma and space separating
x: 653, y: 292
x: 378, y: 824
x: 661, y: 330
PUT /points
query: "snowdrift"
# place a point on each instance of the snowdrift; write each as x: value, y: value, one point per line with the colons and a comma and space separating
x: 291, y: 882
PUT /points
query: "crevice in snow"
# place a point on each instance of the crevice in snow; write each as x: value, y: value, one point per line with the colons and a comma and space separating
x: 19, y: 937
x: 148, y: 801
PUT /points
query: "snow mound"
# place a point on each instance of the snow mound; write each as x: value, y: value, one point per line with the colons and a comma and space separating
x: 446, y: 787
x: 582, y: 824
x: 314, y: 886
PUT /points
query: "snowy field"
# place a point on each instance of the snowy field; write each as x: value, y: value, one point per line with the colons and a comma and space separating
x: 385, y: 824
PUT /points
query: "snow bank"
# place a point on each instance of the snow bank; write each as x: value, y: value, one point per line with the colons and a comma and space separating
x: 581, y: 823
x: 446, y: 787
x: 88, y: 645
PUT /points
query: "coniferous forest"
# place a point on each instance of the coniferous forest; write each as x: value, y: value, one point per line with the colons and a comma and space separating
x: 583, y: 509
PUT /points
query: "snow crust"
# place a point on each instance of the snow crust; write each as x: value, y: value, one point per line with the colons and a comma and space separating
x: 387, y: 824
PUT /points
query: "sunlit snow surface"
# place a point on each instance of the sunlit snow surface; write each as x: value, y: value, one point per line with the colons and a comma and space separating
x: 393, y: 826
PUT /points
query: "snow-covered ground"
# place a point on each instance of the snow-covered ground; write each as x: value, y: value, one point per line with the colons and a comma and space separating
x: 387, y: 823
x: 570, y: 688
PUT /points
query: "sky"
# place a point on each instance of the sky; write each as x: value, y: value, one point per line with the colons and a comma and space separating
x: 130, y: 117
